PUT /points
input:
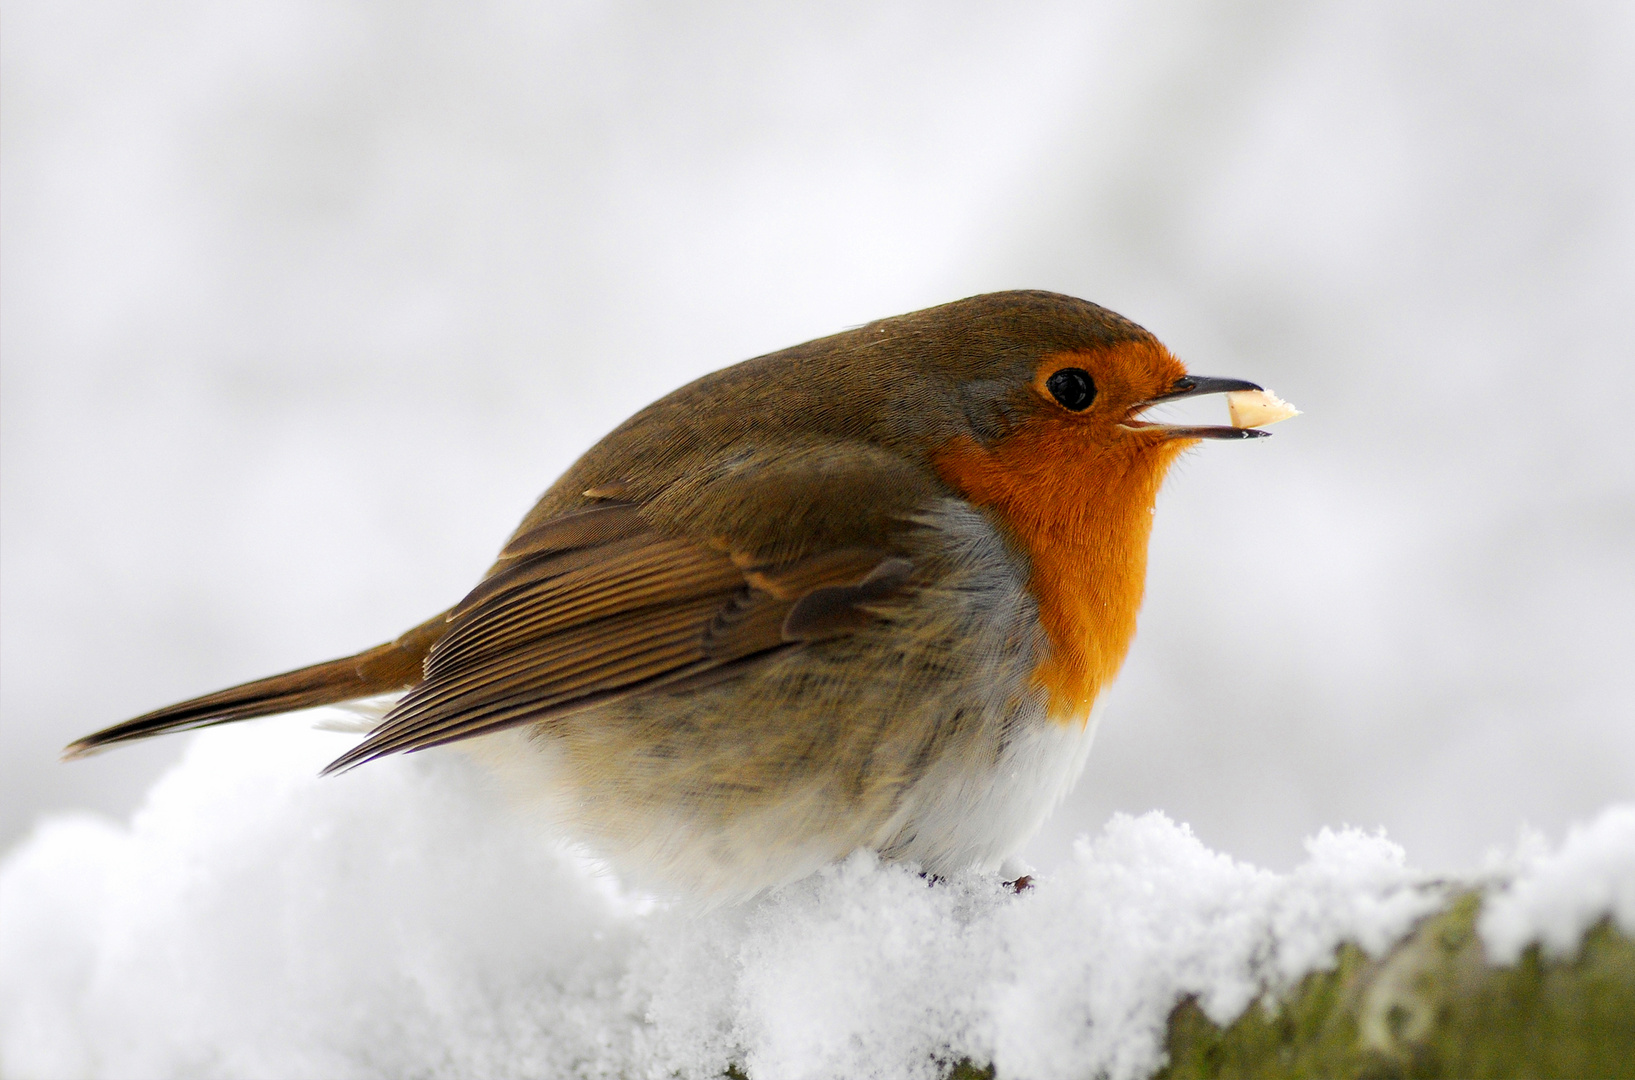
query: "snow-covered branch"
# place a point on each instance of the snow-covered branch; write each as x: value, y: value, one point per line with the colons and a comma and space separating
x: 253, y: 920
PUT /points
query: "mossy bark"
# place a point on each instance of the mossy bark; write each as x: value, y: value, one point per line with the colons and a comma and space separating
x: 1431, y: 1007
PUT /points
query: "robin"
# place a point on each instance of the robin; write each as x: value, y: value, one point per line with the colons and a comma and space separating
x: 860, y: 593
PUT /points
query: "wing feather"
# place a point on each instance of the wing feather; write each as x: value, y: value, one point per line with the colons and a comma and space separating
x: 598, y: 606
x: 581, y: 528
x: 544, y: 597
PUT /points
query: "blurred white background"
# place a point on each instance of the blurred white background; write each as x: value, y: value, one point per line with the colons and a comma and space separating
x: 304, y: 302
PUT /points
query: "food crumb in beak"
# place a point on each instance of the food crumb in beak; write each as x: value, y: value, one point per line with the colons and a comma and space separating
x: 1257, y: 408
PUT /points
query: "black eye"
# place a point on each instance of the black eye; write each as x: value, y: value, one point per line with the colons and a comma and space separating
x: 1073, y: 387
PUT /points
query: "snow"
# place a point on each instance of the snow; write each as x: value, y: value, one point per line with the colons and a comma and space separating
x: 253, y: 920
x: 1552, y: 898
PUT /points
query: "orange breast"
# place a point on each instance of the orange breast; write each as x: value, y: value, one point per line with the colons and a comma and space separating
x: 1083, y: 514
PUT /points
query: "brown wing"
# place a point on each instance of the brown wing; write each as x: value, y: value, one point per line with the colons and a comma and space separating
x: 596, y: 605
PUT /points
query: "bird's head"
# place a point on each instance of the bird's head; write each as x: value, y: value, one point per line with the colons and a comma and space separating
x: 995, y: 366
x: 1040, y: 392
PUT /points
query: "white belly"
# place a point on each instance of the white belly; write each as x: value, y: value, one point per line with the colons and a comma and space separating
x: 963, y: 815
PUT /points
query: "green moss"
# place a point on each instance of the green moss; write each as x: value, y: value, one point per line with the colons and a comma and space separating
x: 1546, y: 1018
x: 1312, y: 1034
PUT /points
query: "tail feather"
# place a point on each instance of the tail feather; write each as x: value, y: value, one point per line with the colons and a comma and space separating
x: 381, y: 670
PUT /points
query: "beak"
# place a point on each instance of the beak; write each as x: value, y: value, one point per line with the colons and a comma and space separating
x: 1193, y: 386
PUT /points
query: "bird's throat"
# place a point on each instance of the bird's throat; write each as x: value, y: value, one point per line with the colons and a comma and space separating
x: 1083, y: 515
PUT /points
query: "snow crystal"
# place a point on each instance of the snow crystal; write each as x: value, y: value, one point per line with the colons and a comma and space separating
x: 253, y: 920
